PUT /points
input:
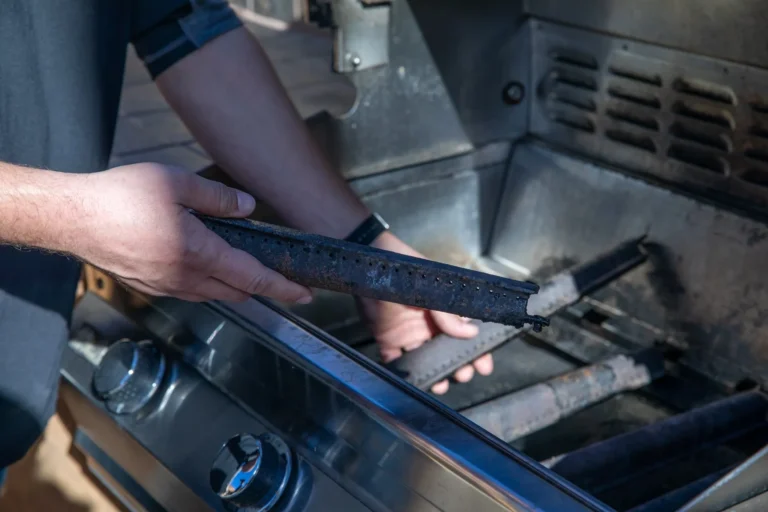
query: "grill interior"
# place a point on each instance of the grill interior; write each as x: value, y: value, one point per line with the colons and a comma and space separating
x: 625, y: 139
x: 454, y: 223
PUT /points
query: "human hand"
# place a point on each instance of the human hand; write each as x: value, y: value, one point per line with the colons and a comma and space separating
x: 133, y: 222
x: 399, y: 328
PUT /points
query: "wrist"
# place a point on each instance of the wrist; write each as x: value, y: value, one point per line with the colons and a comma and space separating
x: 383, y: 240
x: 389, y: 242
x: 41, y: 209
x: 68, y: 210
x: 368, y: 230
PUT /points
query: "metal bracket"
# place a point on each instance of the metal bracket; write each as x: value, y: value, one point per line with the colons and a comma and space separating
x: 361, y: 38
x: 431, y: 83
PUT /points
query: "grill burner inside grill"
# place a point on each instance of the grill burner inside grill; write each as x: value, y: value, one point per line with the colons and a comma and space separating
x: 665, y: 440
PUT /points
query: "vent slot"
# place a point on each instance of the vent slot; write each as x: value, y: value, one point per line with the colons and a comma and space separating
x: 705, y: 114
x: 586, y: 104
x: 698, y: 158
x: 637, y: 141
x: 755, y: 177
x: 646, y: 100
x: 720, y: 142
x: 577, y: 122
x: 647, y: 122
x: 706, y: 90
x: 757, y: 154
x: 577, y: 80
x: 759, y: 131
x: 759, y: 106
x: 638, y: 76
x: 574, y: 58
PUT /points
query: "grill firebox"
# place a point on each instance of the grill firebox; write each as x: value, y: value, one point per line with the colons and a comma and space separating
x: 673, y: 436
x: 623, y: 138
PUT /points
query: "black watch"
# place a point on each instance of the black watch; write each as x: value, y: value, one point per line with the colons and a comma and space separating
x: 368, y: 231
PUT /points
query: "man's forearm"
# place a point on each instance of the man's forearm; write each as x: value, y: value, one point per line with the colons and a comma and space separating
x: 34, y: 207
x: 229, y: 96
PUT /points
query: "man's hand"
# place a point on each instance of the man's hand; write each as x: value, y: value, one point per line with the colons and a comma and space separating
x: 399, y: 328
x: 134, y: 223
x: 265, y: 146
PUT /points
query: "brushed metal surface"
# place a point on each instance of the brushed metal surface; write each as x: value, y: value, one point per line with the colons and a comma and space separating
x: 717, y: 28
x: 704, y: 284
x: 692, y: 121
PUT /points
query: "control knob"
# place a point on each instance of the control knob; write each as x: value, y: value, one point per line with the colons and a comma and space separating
x: 129, y: 375
x: 251, y: 473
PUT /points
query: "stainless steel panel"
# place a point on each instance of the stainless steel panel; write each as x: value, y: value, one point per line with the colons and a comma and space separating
x: 757, y: 504
x: 718, y: 28
x: 388, y: 444
x: 442, y: 92
x: 162, y: 448
x: 166, y: 488
x: 704, y: 286
x: 697, y: 122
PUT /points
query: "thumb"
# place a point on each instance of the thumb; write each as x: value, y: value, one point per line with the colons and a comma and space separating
x: 216, y: 199
x: 453, y: 325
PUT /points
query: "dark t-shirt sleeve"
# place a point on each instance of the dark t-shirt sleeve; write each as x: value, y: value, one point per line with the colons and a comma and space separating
x: 164, y: 32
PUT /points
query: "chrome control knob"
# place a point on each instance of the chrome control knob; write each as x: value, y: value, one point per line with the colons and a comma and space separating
x: 129, y: 375
x: 252, y: 473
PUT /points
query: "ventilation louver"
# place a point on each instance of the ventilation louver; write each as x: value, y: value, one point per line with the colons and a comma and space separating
x: 683, y: 118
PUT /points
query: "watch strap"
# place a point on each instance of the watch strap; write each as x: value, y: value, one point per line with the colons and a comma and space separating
x: 368, y: 230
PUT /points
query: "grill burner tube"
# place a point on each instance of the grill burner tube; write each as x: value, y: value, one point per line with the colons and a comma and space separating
x: 434, y: 361
x: 322, y: 262
x: 673, y: 500
x: 606, y: 464
x: 518, y: 414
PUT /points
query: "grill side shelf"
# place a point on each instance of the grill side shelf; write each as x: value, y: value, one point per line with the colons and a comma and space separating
x: 322, y: 262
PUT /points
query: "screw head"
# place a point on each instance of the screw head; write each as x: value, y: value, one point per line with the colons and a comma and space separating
x: 354, y: 59
x: 513, y: 93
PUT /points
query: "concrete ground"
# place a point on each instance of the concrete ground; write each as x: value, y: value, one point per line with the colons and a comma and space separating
x: 48, y: 478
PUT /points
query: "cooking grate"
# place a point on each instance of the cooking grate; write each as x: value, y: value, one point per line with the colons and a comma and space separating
x: 698, y: 122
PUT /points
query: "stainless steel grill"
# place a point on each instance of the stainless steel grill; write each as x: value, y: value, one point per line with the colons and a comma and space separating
x: 522, y: 139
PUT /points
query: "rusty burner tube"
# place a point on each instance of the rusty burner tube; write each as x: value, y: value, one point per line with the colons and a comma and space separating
x: 523, y: 412
x: 321, y: 262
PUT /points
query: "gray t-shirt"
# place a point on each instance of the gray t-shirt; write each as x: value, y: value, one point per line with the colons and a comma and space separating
x: 61, y: 72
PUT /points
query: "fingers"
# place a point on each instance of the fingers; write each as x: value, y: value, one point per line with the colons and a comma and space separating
x: 389, y: 354
x: 484, y: 364
x: 464, y: 374
x: 214, y: 198
x: 190, y: 297
x: 453, y: 325
x: 242, y: 271
x: 214, y: 289
x: 441, y: 387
